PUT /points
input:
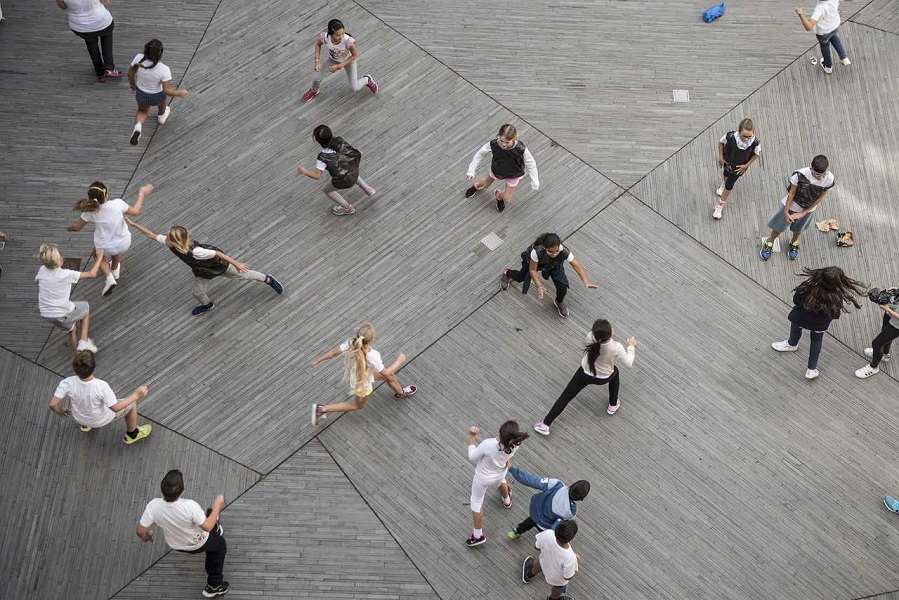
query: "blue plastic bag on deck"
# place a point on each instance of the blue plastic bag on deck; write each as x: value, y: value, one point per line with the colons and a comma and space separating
x: 713, y: 12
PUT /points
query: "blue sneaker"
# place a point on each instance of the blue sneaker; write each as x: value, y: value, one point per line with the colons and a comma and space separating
x: 767, y: 249
x: 275, y: 284
x: 891, y: 503
x: 794, y: 251
x: 199, y: 310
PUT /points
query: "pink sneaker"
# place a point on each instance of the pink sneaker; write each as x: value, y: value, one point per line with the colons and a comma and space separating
x: 309, y: 95
x: 372, y: 85
x: 341, y: 211
x: 611, y: 410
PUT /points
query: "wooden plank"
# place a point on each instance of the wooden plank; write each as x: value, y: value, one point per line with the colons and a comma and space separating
x: 859, y: 147
x: 597, y: 76
x: 410, y: 259
x: 880, y: 14
x: 303, y: 532
x: 72, y: 499
x: 725, y: 473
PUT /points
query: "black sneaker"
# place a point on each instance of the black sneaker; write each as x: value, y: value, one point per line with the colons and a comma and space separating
x: 504, y: 280
x: 563, y: 310
x: 471, y: 191
x: 211, y: 591
x: 500, y: 203
x: 526, y: 567
x: 199, y: 310
x: 135, y: 137
x: 274, y: 284
x: 473, y: 541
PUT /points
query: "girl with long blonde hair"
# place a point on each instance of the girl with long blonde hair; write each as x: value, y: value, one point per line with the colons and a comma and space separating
x: 362, y: 367
x: 207, y: 262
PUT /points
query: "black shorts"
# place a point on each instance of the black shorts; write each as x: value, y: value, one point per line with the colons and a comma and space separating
x: 730, y: 177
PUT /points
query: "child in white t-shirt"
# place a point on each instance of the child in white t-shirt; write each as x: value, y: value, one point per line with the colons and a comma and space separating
x: 362, y: 367
x: 55, y: 287
x: 557, y: 560
x: 342, y: 54
x: 493, y: 457
x: 111, y: 233
x: 151, y: 82
x: 93, y: 402
x: 825, y: 22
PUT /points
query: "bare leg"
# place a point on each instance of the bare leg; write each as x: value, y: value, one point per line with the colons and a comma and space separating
x: 795, y: 237
x: 104, y: 266
x: 73, y: 338
x: 85, y: 325
x: 483, y: 183
x: 504, y: 489
x: 160, y: 108
x: 773, y: 236
x: 116, y: 261
x: 357, y: 403
x: 131, y: 419
x: 478, y: 518
x: 507, y: 193
x: 391, y: 381
x: 141, y: 115
x: 536, y: 569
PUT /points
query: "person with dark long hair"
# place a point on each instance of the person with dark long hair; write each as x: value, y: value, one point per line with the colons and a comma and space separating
x: 546, y: 257
x: 151, y: 82
x: 817, y: 301
x: 341, y: 162
x: 493, y: 457
x: 597, y: 368
x: 91, y: 21
x: 343, y: 52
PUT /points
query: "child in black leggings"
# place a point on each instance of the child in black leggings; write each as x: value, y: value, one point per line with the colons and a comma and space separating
x: 880, y: 347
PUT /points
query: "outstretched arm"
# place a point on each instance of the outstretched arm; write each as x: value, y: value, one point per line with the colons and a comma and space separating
x: 334, y: 353
x: 142, y: 229
x: 77, y: 225
x: 528, y: 479
x: 530, y: 166
x: 583, y: 275
x: 241, y: 267
x: 142, y: 194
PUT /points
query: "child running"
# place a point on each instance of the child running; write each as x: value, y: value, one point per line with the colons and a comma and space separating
x: 493, y: 456
x: 207, y: 262
x: 343, y: 52
x: 555, y: 503
x: 93, y: 402
x: 737, y: 150
x: 547, y: 256
x: 510, y: 160
x: 362, y: 367
x: 151, y: 82
x: 341, y: 161
x: 597, y: 368
x: 55, y: 287
x: 111, y: 233
x: 557, y: 561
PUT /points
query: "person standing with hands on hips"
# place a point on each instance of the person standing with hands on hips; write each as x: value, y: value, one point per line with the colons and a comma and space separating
x: 825, y: 22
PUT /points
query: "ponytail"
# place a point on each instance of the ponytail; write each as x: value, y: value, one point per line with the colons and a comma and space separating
x: 152, y: 52
x: 355, y: 369
x: 602, y: 333
x: 87, y: 205
x: 510, y: 437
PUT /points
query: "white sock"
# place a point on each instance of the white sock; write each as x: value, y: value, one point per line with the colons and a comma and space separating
x: 138, y: 127
x: 477, y: 532
x: 110, y: 278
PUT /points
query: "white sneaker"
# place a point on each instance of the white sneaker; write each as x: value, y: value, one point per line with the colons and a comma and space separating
x: 869, y: 352
x: 110, y: 285
x: 716, y: 214
x: 827, y: 70
x: 117, y: 271
x: 866, y: 372
x: 87, y: 345
x: 811, y: 373
x: 541, y: 428
x: 846, y: 62
x: 161, y: 118
x: 369, y: 191
x: 720, y: 190
x: 784, y: 346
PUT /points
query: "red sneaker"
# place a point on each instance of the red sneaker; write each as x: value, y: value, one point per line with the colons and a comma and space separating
x: 309, y: 96
x: 372, y: 85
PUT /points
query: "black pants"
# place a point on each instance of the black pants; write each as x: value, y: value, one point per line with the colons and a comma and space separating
x: 99, y: 46
x: 525, y: 525
x: 560, y: 280
x: 730, y: 177
x: 579, y: 381
x: 215, y: 549
x: 881, y: 344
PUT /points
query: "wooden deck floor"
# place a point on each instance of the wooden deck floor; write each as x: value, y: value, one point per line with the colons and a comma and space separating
x: 725, y: 474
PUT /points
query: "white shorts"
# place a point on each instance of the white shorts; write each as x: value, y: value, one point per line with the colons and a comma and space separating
x: 479, y: 487
x: 110, y: 250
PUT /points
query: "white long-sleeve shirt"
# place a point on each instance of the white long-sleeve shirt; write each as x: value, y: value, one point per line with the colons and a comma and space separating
x: 530, y: 165
x: 491, y: 458
x: 609, y: 352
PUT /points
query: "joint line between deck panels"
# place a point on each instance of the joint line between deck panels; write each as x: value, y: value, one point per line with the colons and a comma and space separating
x: 741, y: 273
x: 32, y: 361
x: 375, y: 513
x: 465, y: 79
x: 871, y: 27
x: 879, y: 593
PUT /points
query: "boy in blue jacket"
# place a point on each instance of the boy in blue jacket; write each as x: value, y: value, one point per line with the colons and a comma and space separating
x: 556, y: 502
